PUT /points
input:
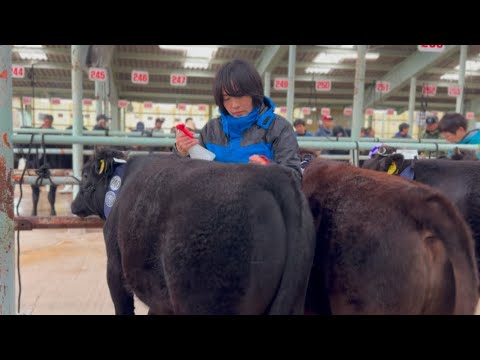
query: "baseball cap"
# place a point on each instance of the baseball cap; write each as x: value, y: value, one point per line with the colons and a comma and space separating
x: 431, y: 120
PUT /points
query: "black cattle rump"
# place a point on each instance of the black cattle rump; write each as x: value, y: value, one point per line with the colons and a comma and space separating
x: 196, y: 237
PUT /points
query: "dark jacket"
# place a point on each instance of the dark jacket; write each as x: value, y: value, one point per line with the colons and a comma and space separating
x: 271, y: 135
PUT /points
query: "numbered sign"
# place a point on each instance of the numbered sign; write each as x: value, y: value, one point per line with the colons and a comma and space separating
x: 306, y: 111
x: 454, y: 90
x: 182, y: 107
x: 202, y: 107
x: 382, y: 87
x: 87, y: 102
x: 27, y: 100
x: 122, y: 103
x: 429, y: 90
x: 431, y: 48
x: 283, y: 110
x: 55, y: 101
x: 470, y: 115
x: 390, y: 111
x: 325, y: 111
x: 178, y: 79
x: 348, y: 111
x: 18, y: 71
x: 280, y: 84
x: 369, y: 111
x: 323, y: 85
x: 148, y: 105
x: 140, y: 77
x: 97, y: 74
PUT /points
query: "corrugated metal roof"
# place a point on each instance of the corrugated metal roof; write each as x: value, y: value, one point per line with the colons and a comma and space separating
x: 55, y: 75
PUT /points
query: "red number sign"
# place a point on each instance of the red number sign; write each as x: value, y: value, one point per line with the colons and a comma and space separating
x: 18, y: 71
x: 429, y: 90
x: 87, y: 102
x: 280, y: 84
x: 283, y: 109
x: 369, y: 111
x: 306, y: 111
x: 178, y: 79
x: 348, y: 111
x: 323, y: 85
x: 202, y: 107
x: 470, y: 115
x: 140, y: 77
x: 382, y: 87
x: 55, y: 101
x: 97, y: 74
x: 325, y: 111
x: 148, y: 104
x: 27, y: 100
x: 390, y: 111
x: 431, y: 48
x: 182, y: 107
x: 122, y: 103
x: 454, y: 90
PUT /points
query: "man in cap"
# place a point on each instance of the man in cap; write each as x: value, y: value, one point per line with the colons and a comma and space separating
x: 326, y: 127
x: 431, y: 128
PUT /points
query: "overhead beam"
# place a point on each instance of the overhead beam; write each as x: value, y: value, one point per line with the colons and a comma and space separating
x: 413, y: 66
x: 270, y: 57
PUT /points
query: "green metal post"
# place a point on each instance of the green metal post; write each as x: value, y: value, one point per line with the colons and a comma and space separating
x: 7, y: 245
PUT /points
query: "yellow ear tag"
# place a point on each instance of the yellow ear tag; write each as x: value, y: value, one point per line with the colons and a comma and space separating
x: 102, y: 167
x: 391, y: 170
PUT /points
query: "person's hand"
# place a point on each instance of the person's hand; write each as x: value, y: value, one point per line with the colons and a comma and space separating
x: 258, y: 159
x: 184, y: 143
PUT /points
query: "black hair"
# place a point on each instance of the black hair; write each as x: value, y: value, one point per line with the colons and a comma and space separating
x: 451, y: 122
x: 403, y: 126
x: 238, y: 78
x: 299, y: 122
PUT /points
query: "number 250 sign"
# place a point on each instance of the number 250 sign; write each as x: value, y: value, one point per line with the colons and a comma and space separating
x: 431, y: 48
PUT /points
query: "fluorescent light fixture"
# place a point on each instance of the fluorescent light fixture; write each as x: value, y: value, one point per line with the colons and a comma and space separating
x: 317, y: 70
x: 449, y: 76
x: 202, y: 54
x: 30, y: 52
x: 196, y: 64
x: 470, y: 66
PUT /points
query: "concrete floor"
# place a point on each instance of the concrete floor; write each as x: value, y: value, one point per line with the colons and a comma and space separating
x: 63, y: 272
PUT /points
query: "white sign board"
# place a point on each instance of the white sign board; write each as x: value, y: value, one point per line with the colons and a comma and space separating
x: 178, y: 79
x: 323, y: 85
x: 382, y: 87
x: 140, y: 77
x: 18, y: 71
x: 453, y: 90
x: 97, y: 74
x: 431, y: 48
x: 280, y: 84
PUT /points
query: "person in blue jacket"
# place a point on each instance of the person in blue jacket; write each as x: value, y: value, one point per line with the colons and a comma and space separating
x: 248, y: 130
x: 453, y: 127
